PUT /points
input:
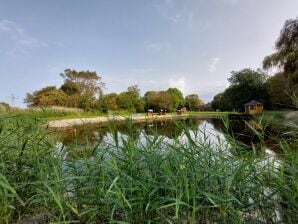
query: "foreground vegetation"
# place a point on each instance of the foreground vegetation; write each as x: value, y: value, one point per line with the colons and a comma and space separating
x: 141, y: 182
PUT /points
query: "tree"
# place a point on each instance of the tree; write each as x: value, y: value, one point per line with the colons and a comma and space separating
x: 192, y: 101
x: 245, y: 85
x: 220, y: 102
x: 177, y: 97
x: 47, y: 96
x: 131, y: 100
x: 278, y: 93
x: 157, y: 101
x: 286, y: 56
x: 85, y: 87
x: 4, y: 107
x: 111, y: 101
x: 135, y: 96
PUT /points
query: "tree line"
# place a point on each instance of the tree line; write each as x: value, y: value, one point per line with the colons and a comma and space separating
x: 84, y: 89
x: 279, y: 91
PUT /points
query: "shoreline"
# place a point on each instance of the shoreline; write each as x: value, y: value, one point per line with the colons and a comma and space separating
x: 64, y: 123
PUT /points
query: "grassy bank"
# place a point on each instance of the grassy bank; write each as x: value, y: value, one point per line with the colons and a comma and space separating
x: 152, y: 182
x: 66, y: 112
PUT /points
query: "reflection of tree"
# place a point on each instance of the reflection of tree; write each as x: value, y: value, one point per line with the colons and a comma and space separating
x: 170, y: 129
x: 84, y: 135
x: 239, y: 129
x: 130, y: 129
x: 163, y: 128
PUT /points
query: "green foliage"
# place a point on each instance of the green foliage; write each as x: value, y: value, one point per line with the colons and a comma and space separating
x: 279, y: 96
x: 177, y: 97
x: 131, y: 100
x: 192, y: 102
x: 245, y: 85
x: 161, y: 100
x: 47, y: 96
x: 152, y: 182
x: 80, y: 89
x: 85, y: 87
x: 110, y: 100
x: 4, y: 107
x: 286, y: 56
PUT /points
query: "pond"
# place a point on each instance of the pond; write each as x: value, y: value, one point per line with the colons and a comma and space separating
x: 215, y: 131
x: 211, y: 157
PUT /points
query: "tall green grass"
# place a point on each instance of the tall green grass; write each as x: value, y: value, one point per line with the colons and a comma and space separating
x: 153, y: 181
x: 51, y: 113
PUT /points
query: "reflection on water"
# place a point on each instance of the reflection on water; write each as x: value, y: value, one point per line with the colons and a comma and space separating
x: 91, y: 134
x: 215, y: 131
x: 212, y: 132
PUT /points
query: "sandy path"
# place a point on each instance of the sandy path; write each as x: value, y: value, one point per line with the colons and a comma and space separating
x: 80, y: 121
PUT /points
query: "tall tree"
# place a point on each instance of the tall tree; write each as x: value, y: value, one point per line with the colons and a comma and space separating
x: 84, y: 86
x: 177, y: 97
x: 111, y: 101
x: 245, y: 85
x: 192, y: 101
x: 159, y: 101
x: 286, y: 56
x: 278, y: 93
x: 131, y: 99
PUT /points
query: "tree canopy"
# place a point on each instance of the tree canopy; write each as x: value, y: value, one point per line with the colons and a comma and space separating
x: 177, y: 97
x: 84, y: 87
x: 245, y: 85
x: 131, y: 100
x: 47, y: 96
x: 277, y: 90
x: 286, y: 56
x: 192, y: 101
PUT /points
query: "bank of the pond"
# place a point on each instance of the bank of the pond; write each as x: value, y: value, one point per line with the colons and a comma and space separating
x: 79, y: 121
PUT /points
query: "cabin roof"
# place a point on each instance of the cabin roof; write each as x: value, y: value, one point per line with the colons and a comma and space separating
x: 253, y: 102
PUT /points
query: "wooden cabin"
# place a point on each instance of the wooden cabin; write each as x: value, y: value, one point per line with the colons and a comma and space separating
x: 253, y: 107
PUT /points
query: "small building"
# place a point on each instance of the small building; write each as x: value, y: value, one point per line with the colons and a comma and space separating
x: 253, y: 107
x: 150, y: 113
x: 162, y: 112
x: 183, y: 109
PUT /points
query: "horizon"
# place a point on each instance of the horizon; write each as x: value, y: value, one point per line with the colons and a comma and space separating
x: 191, y: 45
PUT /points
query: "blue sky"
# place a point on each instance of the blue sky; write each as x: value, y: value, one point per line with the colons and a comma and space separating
x: 189, y: 44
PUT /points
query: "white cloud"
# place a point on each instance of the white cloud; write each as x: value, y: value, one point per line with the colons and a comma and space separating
x: 213, y: 65
x: 15, y: 40
x: 178, y: 83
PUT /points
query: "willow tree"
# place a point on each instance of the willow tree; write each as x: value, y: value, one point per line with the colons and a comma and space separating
x: 286, y: 57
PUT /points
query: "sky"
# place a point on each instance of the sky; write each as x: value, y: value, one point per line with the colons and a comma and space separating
x: 156, y: 44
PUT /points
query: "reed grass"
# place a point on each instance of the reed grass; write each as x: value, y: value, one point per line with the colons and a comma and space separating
x: 153, y: 181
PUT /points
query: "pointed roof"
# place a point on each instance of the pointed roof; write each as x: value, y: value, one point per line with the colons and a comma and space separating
x: 253, y: 102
